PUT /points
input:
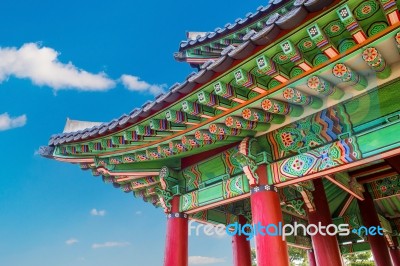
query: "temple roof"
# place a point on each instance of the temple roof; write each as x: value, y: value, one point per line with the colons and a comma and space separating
x: 229, y: 55
x: 77, y: 125
x: 319, y: 88
x: 282, y: 14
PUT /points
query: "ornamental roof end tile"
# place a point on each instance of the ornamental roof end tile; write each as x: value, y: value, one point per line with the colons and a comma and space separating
x: 248, y: 35
x: 207, y: 64
x: 227, y: 50
x: 46, y: 151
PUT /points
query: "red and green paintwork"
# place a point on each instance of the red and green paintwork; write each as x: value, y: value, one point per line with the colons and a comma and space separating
x: 316, y: 100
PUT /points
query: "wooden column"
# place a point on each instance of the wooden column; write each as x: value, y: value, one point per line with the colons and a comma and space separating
x: 326, y: 247
x: 176, y: 244
x: 370, y: 218
x: 394, y: 255
x: 395, y: 252
x: 266, y: 210
x: 311, y: 258
x: 241, y: 248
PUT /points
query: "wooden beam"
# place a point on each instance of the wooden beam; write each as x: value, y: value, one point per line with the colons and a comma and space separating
x: 369, y: 170
x: 394, y: 162
x: 340, y: 168
x: 193, y: 159
x: 343, y: 187
x: 346, y: 205
x: 377, y: 176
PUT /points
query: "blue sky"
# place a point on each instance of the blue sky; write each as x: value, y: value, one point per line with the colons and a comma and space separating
x: 91, y: 60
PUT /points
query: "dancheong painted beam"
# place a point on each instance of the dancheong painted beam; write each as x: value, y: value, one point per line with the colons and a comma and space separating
x: 292, y: 116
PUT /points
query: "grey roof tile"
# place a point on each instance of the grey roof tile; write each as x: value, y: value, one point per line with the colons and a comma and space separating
x: 227, y: 50
x: 113, y: 124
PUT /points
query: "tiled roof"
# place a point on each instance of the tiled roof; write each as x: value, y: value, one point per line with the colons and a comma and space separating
x: 251, y: 40
x: 298, y: 11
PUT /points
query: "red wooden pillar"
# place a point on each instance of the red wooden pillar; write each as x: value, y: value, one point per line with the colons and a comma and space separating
x: 176, y: 244
x: 266, y: 210
x: 378, y: 243
x: 311, y: 258
x: 395, y: 252
x: 395, y: 255
x: 326, y: 247
x: 241, y: 248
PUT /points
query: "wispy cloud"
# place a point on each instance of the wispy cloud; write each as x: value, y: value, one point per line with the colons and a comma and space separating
x: 138, y: 212
x: 96, y: 212
x: 200, y: 260
x: 71, y: 241
x: 42, y: 67
x: 8, y: 122
x: 110, y: 245
x: 134, y: 83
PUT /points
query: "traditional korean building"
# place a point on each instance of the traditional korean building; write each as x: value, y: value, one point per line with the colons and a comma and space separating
x: 292, y: 116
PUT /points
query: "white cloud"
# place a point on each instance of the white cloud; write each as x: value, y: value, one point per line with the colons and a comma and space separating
x: 110, y: 245
x: 7, y: 122
x: 200, y: 260
x: 96, y: 212
x: 71, y: 241
x: 138, y: 212
x: 134, y: 83
x: 41, y: 66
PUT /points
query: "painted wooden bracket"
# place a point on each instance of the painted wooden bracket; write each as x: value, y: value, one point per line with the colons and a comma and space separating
x: 249, y: 168
x: 169, y: 187
x: 307, y: 197
x: 391, y: 11
x: 346, y: 17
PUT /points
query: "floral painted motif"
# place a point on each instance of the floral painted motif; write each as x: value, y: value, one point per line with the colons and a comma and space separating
x: 313, y: 82
x: 246, y: 113
x: 397, y: 38
x: 288, y: 94
x: 340, y: 70
x: 375, y: 60
x: 313, y: 131
x: 370, y: 54
x: 213, y: 128
x: 276, y: 107
x: 331, y: 155
x: 385, y: 187
x: 229, y: 121
x: 287, y: 139
x: 296, y: 96
x: 266, y: 104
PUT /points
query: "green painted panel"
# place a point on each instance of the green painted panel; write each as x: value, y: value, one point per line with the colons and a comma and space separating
x: 217, y: 216
x: 381, y: 140
x: 212, y: 170
x: 313, y: 131
x: 235, y: 186
x: 375, y: 104
x: 189, y: 201
x: 356, y: 247
x: 210, y: 194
